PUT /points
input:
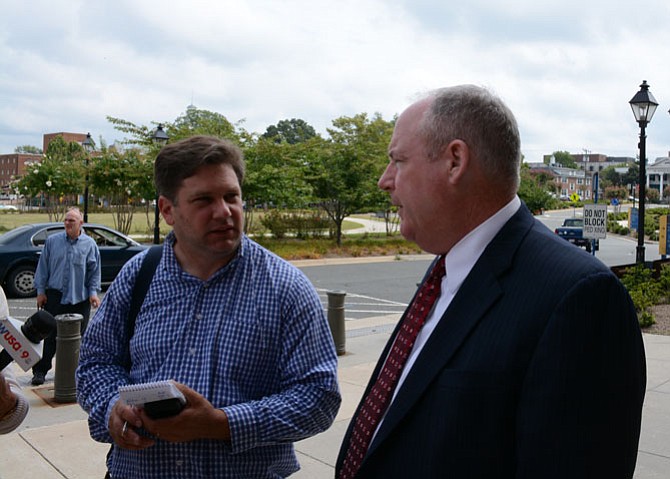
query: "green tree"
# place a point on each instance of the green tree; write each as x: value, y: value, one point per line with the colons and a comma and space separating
x: 618, y: 192
x: 565, y: 159
x: 121, y: 179
x: 652, y: 194
x: 290, y: 131
x: 533, y: 194
x: 610, y: 177
x: 57, y: 180
x: 33, y: 150
x: 275, y: 177
x: 195, y: 121
x: 344, y: 170
x: 632, y: 176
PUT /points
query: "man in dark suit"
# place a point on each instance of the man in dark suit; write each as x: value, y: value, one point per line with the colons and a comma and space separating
x: 531, y: 362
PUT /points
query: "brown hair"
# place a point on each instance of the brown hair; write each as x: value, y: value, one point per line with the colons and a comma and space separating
x: 180, y: 160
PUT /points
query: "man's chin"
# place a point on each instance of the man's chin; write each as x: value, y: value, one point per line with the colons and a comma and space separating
x: 224, y: 244
x: 406, y: 231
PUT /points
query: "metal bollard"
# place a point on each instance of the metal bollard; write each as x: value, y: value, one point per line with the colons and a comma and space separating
x: 336, y: 319
x: 68, y: 341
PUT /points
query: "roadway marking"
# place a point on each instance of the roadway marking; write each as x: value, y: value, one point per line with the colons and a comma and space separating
x: 355, y: 305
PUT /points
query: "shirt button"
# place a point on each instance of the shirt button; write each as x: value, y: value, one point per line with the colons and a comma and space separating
x: 198, y: 316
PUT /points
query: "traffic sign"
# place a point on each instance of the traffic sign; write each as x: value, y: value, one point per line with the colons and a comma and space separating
x: 595, y: 221
x: 574, y: 197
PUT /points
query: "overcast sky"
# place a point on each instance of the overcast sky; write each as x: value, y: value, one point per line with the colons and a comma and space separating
x: 566, y: 68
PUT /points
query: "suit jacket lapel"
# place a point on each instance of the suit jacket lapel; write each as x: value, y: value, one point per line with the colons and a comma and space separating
x: 479, y: 291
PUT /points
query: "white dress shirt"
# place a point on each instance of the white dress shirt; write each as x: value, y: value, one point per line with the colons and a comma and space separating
x: 459, y: 262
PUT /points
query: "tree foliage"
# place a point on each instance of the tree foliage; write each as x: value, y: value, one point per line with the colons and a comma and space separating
x: 533, y: 193
x: 346, y: 167
x: 565, y: 159
x: 289, y: 167
x: 290, y: 131
x: 32, y: 150
x: 123, y: 181
x: 195, y: 121
x: 57, y: 180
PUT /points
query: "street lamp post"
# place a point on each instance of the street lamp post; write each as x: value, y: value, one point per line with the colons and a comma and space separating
x: 160, y: 138
x: 644, y: 105
x: 88, y: 147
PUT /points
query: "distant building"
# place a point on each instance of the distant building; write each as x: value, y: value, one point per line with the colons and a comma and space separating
x: 13, y: 165
x: 658, y: 174
x: 68, y: 137
x: 580, y: 180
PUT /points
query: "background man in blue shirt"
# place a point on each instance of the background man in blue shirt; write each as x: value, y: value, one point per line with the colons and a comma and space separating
x: 67, y: 281
x: 240, y: 330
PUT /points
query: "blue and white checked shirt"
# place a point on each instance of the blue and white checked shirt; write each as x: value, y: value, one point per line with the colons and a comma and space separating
x: 69, y: 266
x: 252, y: 339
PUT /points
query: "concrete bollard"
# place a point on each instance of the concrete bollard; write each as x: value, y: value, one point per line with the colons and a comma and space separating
x: 68, y: 341
x: 336, y: 319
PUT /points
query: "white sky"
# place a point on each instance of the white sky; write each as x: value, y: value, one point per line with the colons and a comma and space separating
x: 566, y: 68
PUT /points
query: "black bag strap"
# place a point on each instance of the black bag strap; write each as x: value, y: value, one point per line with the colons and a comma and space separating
x: 140, y: 289
x: 142, y: 283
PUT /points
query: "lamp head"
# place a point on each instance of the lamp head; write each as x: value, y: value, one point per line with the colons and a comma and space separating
x: 643, y: 104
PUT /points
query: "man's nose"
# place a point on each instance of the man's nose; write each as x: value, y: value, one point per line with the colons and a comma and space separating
x: 386, y: 180
x: 222, y: 208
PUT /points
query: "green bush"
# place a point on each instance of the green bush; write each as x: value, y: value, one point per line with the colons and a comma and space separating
x: 645, y: 292
x: 301, y: 225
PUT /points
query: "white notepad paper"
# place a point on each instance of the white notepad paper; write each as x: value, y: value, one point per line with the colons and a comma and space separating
x: 139, y: 394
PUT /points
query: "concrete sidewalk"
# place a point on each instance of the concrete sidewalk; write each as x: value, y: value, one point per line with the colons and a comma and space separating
x: 53, y: 442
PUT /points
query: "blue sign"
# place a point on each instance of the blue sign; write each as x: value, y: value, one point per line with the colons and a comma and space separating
x: 615, y: 202
x: 633, y: 219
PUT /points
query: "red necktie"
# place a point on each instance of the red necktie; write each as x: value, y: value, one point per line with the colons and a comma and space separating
x: 378, y: 399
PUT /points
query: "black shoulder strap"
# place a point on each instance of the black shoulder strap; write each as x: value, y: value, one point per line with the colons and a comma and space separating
x: 142, y: 282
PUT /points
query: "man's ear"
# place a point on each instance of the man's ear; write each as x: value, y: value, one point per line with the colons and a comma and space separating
x: 166, y: 207
x: 458, y: 155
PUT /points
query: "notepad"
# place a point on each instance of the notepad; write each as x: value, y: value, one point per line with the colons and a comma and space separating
x: 138, y: 394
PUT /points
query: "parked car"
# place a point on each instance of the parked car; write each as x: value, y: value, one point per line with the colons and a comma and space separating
x: 572, y: 230
x: 21, y: 247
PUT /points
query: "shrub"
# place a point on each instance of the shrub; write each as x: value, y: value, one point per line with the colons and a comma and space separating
x: 645, y: 292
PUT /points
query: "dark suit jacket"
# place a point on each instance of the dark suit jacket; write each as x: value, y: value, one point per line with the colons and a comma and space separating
x: 536, y: 370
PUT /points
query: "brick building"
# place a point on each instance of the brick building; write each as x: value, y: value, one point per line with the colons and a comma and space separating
x: 14, y: 164
x: 68, y: 137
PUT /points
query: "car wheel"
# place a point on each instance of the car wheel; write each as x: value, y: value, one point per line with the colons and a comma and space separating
x: 21, y: 281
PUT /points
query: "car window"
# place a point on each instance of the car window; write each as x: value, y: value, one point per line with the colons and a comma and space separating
x: 104, y: 237
x: 41, y: 236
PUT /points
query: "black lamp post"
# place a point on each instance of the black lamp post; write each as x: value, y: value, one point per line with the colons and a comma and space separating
x: 88, y: 147
x: 160, y: 138
x: 644, y: 105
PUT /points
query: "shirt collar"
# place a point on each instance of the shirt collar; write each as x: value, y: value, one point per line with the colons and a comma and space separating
x: 462, y: 257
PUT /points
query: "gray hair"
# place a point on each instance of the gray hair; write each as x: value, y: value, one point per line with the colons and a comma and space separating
x: 480, y: 119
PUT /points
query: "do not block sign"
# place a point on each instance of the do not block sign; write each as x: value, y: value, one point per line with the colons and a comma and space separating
x: 595, y: 221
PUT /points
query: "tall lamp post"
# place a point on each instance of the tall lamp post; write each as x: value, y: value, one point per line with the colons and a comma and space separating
x: 160, y: 138
x: 88, y: 147
x: 644, y: 105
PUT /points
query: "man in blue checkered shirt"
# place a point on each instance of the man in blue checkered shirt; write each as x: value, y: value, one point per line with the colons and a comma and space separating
x: 241, y: 331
